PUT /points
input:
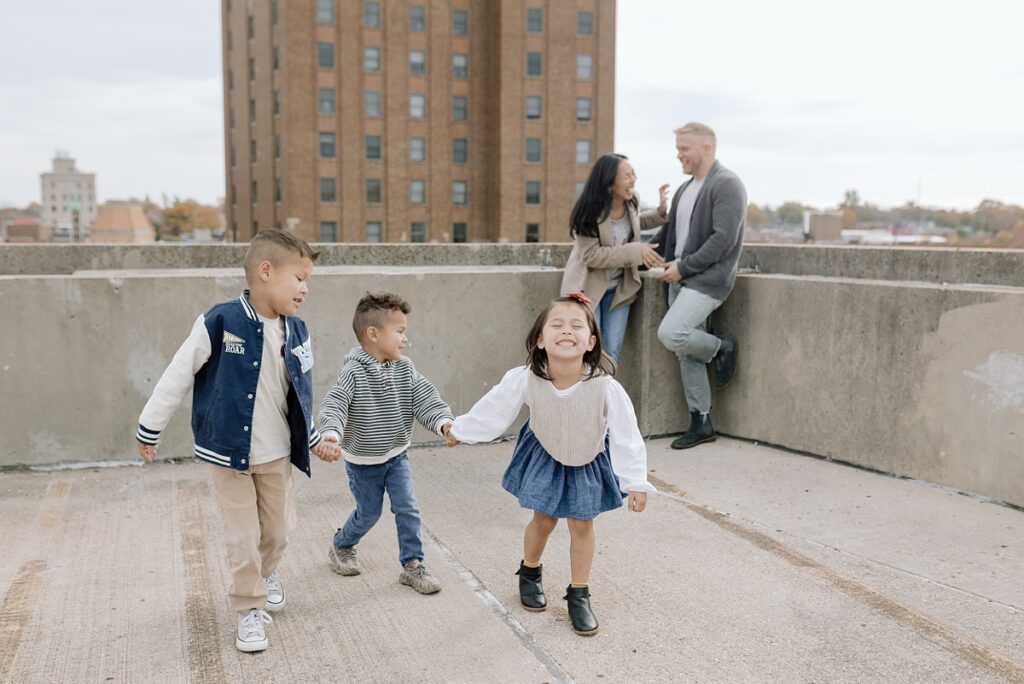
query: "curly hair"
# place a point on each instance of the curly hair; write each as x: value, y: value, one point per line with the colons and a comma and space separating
x: 373, y: 309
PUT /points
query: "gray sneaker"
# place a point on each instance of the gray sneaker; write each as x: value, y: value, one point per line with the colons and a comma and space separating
x: 344, y: 561
x: 415, y: 575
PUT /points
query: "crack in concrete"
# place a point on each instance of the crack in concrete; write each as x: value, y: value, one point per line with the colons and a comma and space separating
x: 499, y: 610
x: 18, y: 603
x: 202, y: 639
x: 936, y: 632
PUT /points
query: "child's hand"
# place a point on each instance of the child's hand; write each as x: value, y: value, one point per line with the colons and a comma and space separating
x: 447, y: 429
x: 637, y: 502
x: 328, y: 450
x: 146, y: 451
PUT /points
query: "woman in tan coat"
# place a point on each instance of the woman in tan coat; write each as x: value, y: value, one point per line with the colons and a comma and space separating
x: 605, y: 226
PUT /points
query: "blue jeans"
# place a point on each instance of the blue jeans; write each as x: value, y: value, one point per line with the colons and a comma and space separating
x: 612, y: 323
x: 368, y: 484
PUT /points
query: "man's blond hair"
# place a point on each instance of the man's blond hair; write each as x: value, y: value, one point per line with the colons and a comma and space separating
x: 700, y: 130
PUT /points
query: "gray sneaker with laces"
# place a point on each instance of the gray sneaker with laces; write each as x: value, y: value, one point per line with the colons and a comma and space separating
x: 344, y: 561
x: 275, y: 593
x: 252, y: 637
x: 415, y: 575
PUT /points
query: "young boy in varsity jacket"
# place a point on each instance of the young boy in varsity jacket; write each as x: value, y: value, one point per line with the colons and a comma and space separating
x: 369, y: 412
x: 249, y: 365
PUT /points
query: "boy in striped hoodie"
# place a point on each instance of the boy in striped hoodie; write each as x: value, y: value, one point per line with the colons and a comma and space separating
x: 367, y: 417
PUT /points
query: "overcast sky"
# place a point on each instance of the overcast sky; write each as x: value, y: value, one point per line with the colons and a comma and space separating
x: 900, y: 100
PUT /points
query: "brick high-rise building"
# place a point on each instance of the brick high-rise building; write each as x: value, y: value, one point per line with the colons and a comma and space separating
x: 406, y: 121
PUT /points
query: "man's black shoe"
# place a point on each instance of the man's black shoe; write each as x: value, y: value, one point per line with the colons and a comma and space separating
x: 531, y: 591
x: 582, y: 617
x: 700, y: 431
x: 725, y: 361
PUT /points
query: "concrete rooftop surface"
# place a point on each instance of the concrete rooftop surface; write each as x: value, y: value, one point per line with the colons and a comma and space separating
x: 750, y: 564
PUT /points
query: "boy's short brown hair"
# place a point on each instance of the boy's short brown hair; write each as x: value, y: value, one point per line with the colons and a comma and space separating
x: 373, y: 310
x: 275, y: 245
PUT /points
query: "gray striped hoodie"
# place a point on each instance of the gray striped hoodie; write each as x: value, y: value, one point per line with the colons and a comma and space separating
x: 372, y: 406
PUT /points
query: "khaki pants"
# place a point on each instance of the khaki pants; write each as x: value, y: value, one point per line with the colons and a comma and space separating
x: 259, y: 511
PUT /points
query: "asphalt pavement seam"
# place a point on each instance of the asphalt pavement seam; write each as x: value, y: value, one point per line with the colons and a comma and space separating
x: 499, y: 609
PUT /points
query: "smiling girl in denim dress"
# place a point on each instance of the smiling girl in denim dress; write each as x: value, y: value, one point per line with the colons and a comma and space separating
x: 575, y: 456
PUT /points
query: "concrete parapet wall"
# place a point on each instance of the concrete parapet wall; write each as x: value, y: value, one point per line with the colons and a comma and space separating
x: 82, y: 353
x: 942, y: 265
x: 62, y: 258
x: 911, y: 378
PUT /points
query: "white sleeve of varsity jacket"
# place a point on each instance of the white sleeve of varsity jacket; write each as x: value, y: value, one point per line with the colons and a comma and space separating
x: 174, y: 384
x: 495, y: 412
x: 625, y: 444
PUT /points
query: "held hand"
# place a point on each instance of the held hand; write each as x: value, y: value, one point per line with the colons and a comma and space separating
x: 449, y: 437
x: 663, y: 199
x: 146, y: 451
x: 328, y: 450
x: 637, y: 502
x: 650, y: 254
x: 671, y: 274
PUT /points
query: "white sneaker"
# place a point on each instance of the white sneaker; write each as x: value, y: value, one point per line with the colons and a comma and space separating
x: 251, y: 635
x: 275, y: 593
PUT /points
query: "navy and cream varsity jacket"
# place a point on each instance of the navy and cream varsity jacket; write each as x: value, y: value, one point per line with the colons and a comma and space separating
x: 220, y: 363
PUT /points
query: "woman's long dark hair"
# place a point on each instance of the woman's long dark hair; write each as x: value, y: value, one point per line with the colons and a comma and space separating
x: 595, y: 360
x: 595, y: 201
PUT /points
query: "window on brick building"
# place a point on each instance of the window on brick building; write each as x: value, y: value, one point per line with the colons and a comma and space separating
x: 371, y: 14
x: 417, y: 18
x: 373, y: 147
x: 585, y: 23
x: 325, y: 100
x: 533, y: 192
x: 533, y: 107
x: 460, y: 108
x: 584, y: 67
x: 328, y: 189
x: 417, y: 192
x: 534, y: 20
x: 460, y: 150
x: 328, y: 231
x: 325, y: 55
x: 417, y: 62
x: 374, y: 190
x: 460, y: 22
x: 417, y: 149
x: 534, y: 64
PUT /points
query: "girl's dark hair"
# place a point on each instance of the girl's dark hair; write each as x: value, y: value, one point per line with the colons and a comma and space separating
x: 595, y: 201
x: 596, y: 361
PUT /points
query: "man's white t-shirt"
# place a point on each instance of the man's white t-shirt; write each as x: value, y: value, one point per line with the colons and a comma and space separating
x: 271, y: 437
x: 684, y: 210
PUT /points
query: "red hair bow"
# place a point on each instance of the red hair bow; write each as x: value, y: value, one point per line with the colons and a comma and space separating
x: 580, y: 297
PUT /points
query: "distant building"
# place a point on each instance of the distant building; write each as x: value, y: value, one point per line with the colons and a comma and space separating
x: 406, y: 121
x: 68, y: 200
x: 122, y: 222
x: 26, y: 229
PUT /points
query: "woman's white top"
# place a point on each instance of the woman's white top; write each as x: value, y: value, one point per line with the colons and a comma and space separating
x: 495, y: 412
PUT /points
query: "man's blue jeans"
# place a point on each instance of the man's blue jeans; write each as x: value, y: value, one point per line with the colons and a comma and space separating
x: 612, y: 323
x: 368, y: 484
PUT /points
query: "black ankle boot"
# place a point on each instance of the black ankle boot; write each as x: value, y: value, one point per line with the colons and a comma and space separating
x: 531, y: 591
x: 582, y: 617
x: 725, y: 361
x: 700, y: 431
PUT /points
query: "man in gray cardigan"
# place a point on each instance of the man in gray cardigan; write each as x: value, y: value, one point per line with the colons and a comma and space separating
x: 701, y: 243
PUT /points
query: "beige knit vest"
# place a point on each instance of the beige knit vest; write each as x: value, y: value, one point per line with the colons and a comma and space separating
x: 571, y: 428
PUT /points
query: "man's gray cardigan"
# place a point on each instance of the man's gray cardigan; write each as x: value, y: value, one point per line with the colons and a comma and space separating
x: 712, y: 250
